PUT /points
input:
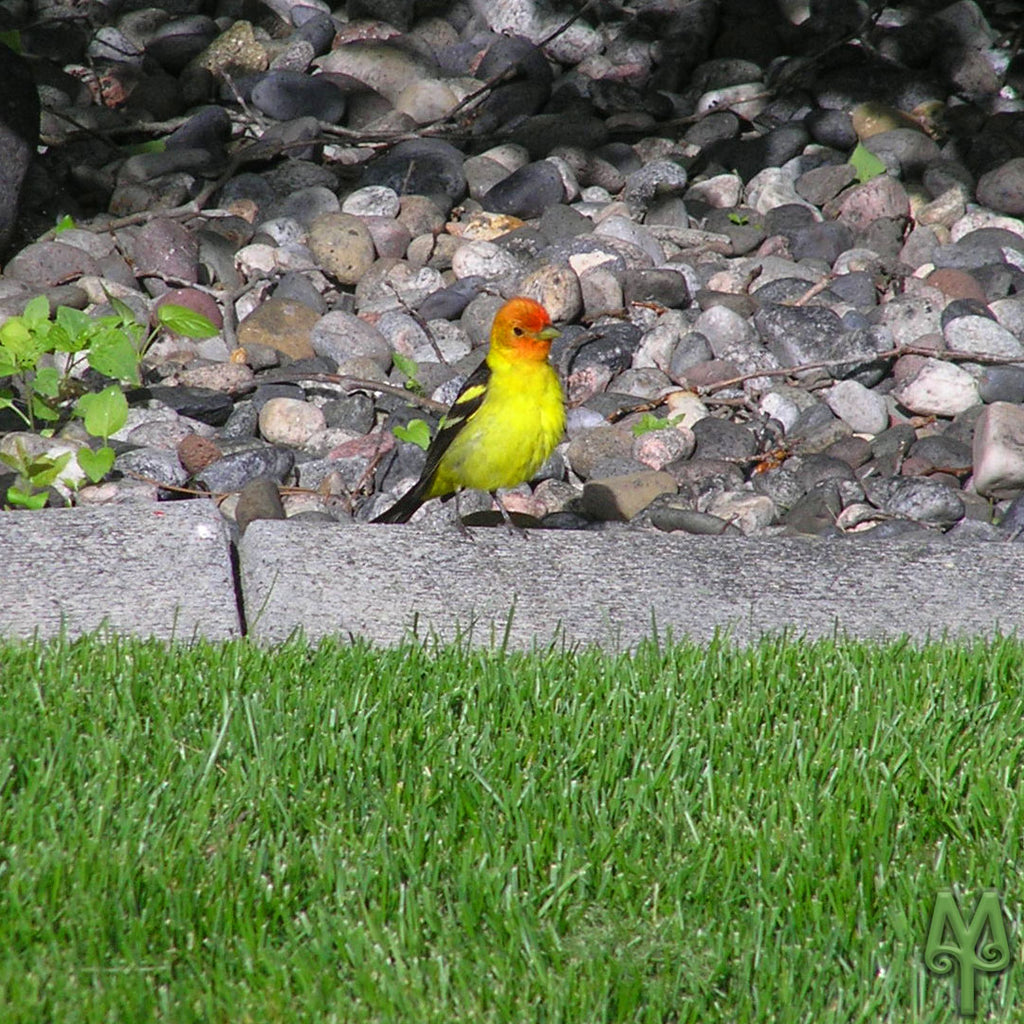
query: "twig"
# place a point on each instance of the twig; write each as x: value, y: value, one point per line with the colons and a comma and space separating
x: 360, y: 384
x: 894, y: 353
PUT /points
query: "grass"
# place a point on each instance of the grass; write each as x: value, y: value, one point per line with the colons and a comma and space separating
x: 225, y: 833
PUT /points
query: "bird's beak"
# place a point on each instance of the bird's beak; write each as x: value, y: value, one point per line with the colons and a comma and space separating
x: 549, y: 333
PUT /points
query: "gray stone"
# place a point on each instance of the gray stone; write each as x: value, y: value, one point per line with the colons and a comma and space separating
x: 160, y: 571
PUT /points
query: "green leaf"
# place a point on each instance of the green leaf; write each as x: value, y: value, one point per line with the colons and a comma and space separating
x: 12, y: 38
x: 152, y: 146
x: 416, y: 432
x: 64, y: 224
x: 8, y: 365
x: 186, y: 322
x: 47, y: 382
x: 76, y: 327
x: 22, y: 344
x: 43, y: 409
x: 405, y: 365
x: 647, y: 423
x: 739, y: 218
x: 105, y: 412
x: 113, y: 354
x: 26, y: 499
x: 125, y: 313
x: 96, y: 464
x: 43, y: 470
x: 866, y: 164
x: 37, y: 311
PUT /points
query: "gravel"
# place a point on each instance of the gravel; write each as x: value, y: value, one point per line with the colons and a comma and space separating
x: 759, y: 335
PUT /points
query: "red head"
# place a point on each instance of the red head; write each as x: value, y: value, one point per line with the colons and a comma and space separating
x: 522, y: 329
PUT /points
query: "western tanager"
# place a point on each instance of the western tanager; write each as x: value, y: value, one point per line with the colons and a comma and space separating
x: 504, y: 422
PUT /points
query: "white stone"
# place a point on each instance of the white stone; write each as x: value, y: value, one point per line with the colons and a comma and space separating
x: 939, y: 389
x: 864, y: 410
x: 485, y: 259
x: 720, y: 191
x: 372, y: 201
x: 290, y: 421
x: 999, y: 451
x: 685, y: 408
x: 751, y: 513
x: 985, y: 337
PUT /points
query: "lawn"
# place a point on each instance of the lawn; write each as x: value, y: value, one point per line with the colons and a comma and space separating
x: 433, y: 834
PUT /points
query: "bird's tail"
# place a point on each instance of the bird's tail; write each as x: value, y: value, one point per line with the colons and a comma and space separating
x: 402, y: 510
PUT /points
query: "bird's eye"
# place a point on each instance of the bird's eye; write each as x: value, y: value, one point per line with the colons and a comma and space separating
x: 517, y: 331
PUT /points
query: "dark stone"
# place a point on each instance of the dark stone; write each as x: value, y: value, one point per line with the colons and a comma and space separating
x: 235, y: 470
x: 607, y: 345
x: 448, y: 303
x: 177, y: 42
x: 1002, y: 384
x: 672, y: 518
x: 824, y: 240
x: 857, y: 288
x: 351, y: 412
x: 260, y: 499
x: 203, y: 404
x: 662, y: 286
x: 723, y: 439
x: 527, y: 192
x: 419, y: 167
x: 285, y: 95
x: 964, y: 307
x: 925, y: 501
x: 832, y: 128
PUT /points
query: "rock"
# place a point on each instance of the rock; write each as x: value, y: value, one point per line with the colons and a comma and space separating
x: 280, y: 324
x: 924, y: 501
x: 19, y: 136
x: 657, y: 448
x: 342, y: 337
x: 372, y: 201
x: 981, y: 335
x: 286, y: 95
x: 865, y: 411
x: 290, y: 422
x: 342, y: 246
x: 259, y: 499
x: 425, y: 167
x: 671, y: 518
x: 195, y: 453
x: 557, y: 288
x: 620, y: 498
x: 750, y: 513
x: 526, y: 192
x: 1002, y: 188
x: 938, y: 389
x: 235, y: 470
x: 999, y: 451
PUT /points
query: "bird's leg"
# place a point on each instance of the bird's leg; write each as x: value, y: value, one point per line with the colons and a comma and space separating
x: 516, y: 531
x: 459, y: 524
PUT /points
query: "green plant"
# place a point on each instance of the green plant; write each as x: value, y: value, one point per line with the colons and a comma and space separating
x: 33, y: 345
x: 866, y: 164
x: 36, y: 473
x: 408, y: 366
x: 649, y: 422
x: 739, y: 218
x: 415, y: 432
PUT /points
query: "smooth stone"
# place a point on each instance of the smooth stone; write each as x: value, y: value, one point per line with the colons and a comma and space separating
x: 999, y: 451
x: 423, y: 167
x: 915, y: 498
x: 281, y: 324
x: 981, y: 335
x: 1002, y: 188
x: 938, y: 389
x: 526, y: 192
x: 235, y: 470
x: 286, y: 95
x: 620, y: 498
x: 864, y: 410
x: 342, y: 246
x: 260, y: 498
x: 341, y: 336
x: 290, y: 422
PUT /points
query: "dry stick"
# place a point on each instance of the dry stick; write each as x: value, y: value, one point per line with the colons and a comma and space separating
x: 362, y: 384
x: 894, y: 353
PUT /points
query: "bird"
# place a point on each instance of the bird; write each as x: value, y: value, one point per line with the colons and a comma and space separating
x: 504, y: 422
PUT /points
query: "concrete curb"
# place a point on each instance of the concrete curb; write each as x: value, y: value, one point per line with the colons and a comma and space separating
x: 154, y: 571
x: 167, y: 571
